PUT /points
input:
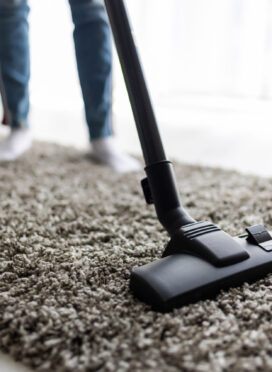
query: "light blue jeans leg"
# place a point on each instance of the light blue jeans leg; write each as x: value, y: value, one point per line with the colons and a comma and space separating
x: 92, y: 39
x: 14, y: 59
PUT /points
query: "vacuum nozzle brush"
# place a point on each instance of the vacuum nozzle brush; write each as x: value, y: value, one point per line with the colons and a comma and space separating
x: 185, y: 274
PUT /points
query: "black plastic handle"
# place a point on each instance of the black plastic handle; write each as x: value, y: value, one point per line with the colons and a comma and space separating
x: 148, y: 131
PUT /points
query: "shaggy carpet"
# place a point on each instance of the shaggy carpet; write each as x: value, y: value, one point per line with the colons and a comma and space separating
x: 70, y: 233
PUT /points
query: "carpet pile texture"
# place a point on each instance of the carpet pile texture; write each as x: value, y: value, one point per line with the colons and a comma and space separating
x: 70, y: 233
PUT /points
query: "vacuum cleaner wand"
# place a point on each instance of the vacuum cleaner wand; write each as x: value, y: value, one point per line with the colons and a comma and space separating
x: 160, y: 186
x: 200, y: 258
x: 142, y: 109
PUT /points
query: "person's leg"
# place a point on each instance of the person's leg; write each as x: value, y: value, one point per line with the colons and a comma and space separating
x: 92, y: 39
x: 94, y: 62
x: 15, y: 71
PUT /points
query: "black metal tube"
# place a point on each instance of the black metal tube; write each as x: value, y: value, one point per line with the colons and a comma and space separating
x: 139, y: 97
x: 159, y: 172
x: 162, y: 183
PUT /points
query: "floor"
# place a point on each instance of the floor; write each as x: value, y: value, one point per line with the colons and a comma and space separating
x: 216, y: 131
x: 224, y: 132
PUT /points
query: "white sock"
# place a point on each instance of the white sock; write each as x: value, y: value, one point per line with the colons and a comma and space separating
x: 16, y: 144
x: 107, y: 152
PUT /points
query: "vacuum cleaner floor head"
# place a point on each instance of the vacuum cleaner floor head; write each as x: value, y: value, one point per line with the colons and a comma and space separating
x: 200, y: 259
x: 183, y: 278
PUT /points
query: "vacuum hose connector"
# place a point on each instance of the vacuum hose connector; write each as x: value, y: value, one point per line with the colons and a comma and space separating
x: 160, y: 188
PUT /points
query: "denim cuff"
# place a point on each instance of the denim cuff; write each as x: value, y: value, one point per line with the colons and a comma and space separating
x: 19, y: 124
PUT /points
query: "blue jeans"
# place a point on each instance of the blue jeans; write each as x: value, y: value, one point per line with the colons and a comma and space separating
x: 94, y: 61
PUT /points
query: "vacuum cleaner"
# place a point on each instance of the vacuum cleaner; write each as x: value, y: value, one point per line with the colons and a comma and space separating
x: 200, y: 259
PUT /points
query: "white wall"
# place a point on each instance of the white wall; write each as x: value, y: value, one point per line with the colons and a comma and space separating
x: 187, y: 46
x: 54, y: 81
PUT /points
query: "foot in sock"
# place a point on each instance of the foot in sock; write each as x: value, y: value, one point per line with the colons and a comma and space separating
x: 107, y: 152
x: 16, y: 144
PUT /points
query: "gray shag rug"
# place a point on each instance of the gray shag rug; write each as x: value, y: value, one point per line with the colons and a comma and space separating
x: 70, y: 233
